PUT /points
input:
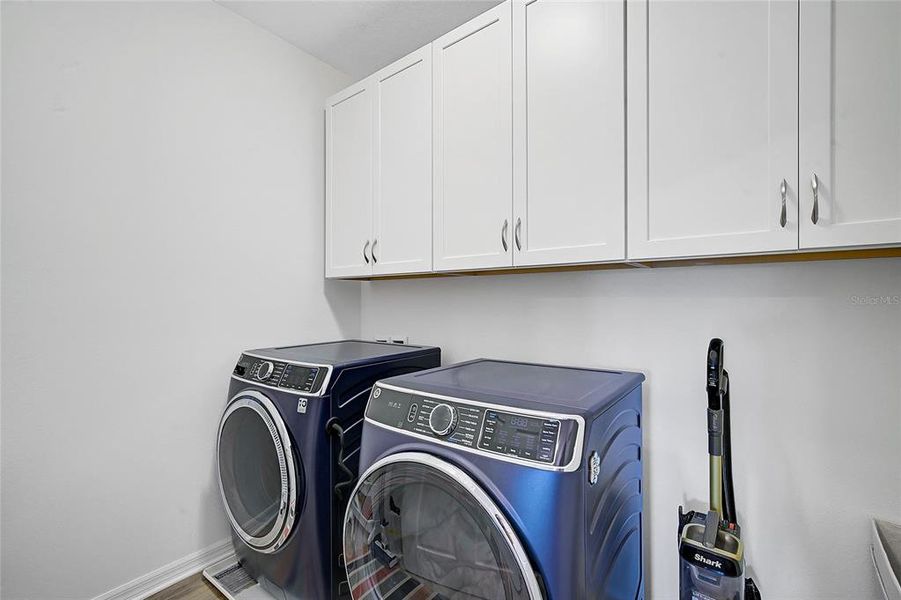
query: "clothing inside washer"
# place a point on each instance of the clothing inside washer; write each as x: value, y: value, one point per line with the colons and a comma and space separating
x: 413, y: 529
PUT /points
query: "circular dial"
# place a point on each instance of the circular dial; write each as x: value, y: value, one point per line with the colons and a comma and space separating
x: 264, y: 370
x: 443, y: 419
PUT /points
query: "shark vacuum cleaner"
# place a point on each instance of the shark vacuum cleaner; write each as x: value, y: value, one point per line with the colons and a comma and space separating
x: 711, y: 552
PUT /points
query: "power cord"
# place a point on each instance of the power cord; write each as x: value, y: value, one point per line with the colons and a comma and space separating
x: 333, y: 428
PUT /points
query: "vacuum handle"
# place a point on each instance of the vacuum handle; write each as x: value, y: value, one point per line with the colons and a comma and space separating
x: 715, y: 380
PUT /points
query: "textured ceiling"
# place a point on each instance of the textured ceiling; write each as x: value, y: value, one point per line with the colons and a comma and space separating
x: 358, y: 37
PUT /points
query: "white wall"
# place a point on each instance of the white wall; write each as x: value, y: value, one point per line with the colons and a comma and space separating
x: 816, y: 378
x: 162, y: 210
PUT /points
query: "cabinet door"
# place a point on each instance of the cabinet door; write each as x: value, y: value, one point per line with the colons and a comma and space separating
x: 348, y: 182
x: 850, y: 123
x: 473, y: 170
x: 402, y: 207
x: 569, y: 131
x: 712, y: 127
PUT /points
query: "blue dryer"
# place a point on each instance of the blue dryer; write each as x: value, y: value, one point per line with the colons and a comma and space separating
x: 496, y: 480
x: 288, y: 438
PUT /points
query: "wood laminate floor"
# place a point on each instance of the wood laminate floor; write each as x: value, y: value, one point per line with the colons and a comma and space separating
x: 192, y: 588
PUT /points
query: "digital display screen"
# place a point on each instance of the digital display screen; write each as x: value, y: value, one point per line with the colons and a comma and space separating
x: 518, y: 426
x: 533, y: 438
x: 519, y: 422
x: 299, y: 378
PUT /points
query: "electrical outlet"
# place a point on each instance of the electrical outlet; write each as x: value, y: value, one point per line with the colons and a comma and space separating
x: 392, y: 339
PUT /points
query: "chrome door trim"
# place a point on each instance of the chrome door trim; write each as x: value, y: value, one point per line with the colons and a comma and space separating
x: 275, y: 538
x: 573, y: 465
x: 475, y: 490
x: 328, y: 374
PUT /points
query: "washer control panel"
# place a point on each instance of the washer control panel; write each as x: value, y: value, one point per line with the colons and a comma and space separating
x: 518, y: 435
x: 299, y: 378
x: 481, y: 428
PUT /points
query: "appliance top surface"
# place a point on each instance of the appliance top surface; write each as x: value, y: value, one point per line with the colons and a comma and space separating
x: 345, y: 352
x: 524, y: 384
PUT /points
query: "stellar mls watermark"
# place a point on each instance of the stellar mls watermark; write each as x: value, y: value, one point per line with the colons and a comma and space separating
x: 889, y: 300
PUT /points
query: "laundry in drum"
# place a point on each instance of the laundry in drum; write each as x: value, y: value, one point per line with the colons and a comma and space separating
x: 413, y: 533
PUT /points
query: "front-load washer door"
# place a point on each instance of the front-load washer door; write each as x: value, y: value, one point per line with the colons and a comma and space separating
x: 258, y: 473
x: 419, y: 527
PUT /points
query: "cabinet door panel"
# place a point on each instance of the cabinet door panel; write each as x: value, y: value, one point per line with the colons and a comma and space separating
x: 473, y: 147
x: 569, y: 136
x: 403, y: 173
x: 348, y: 191
x: 851, y: 122
x: 712, y: 127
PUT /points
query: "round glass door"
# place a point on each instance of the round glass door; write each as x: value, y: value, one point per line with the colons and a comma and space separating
x: 257, y: 473
x: 419, y: 527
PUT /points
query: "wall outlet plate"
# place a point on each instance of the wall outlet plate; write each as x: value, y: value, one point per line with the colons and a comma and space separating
x: 392, y: 339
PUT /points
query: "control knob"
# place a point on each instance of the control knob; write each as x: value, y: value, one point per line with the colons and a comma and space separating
x: 443, y: 419
x: 264, y: 370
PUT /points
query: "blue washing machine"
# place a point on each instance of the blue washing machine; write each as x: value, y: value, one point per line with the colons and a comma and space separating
x: 288, y: 451
x: 497, y: 480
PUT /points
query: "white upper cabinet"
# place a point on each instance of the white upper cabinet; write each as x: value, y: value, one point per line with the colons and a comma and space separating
x: 402, y: 207
x: 348, y: 184
x: 569, y: 131
x: 379, y: 172
x: 712, y: 127
x: 473, y: 174
x: 552, y: 132
x: 850, y: 123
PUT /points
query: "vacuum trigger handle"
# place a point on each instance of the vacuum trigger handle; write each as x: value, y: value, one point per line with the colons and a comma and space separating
x: 716, y: 381
x: 716, y: 388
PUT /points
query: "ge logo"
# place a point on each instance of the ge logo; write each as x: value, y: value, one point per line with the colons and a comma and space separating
x: 302, y: 405
x: 377, y: 392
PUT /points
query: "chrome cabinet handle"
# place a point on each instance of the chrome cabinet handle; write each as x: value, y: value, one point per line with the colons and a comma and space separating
x: 815, y: 186
x: 372, y: 251
x: 783, y: 188
x: 365, y: 248
x: 504, y: 235
x: 516, y: 233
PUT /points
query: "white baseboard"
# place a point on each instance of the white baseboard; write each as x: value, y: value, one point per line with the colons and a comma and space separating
x: 158, y: 580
